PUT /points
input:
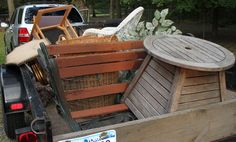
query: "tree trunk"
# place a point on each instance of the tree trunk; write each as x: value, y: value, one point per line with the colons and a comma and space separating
x: 118, y: 9
x: 112, y: 13
x: 215, y: 22
x: 11, y: 7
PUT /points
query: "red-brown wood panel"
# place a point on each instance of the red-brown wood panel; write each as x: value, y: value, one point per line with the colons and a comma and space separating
x: 99, y: 68
x: 93, y: 47
x: 98, y: 111
x: 99, y: 58
x: 95, y: 91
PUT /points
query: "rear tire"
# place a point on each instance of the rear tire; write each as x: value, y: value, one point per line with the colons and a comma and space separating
x: 13, y: 122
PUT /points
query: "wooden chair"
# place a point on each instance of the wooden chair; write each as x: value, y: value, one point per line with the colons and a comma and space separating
x: 65, y: 62
x: 52, y: 27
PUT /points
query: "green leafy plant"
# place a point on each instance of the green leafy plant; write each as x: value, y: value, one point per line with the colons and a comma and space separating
x: 158, y: 26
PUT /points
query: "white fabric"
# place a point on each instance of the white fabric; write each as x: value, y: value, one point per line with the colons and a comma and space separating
x: 25, y: 52
x: 131, y: 20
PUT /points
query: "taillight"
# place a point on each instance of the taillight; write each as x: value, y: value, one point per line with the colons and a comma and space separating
x: 16, y: 106
x: 23, y: 35
x: 28, y: 137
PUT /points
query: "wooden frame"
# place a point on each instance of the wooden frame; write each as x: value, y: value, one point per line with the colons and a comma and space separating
x: 42, y: 22
x: 208, y: 123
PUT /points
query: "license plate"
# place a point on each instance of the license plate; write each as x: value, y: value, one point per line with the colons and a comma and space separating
x: 106, y: 136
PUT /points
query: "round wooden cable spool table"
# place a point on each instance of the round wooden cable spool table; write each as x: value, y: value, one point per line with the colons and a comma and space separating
x: 197, y: 67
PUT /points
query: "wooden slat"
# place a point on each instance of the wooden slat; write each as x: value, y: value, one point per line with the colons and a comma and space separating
x: 98, y: 111
x: 162, y: 70
x: 150, y: 98
x: 200, y: 88
x: 168, y: 67
x: 201, y: 80
x: 222, y: 85
x: 199, y: 96
x: 194, y: 73
x: 136, y: 77
x: 176, y: 89
x: 94, y: 47
x: 99, y: 58
x: 100, y: 68
x: 95, y: 91
x: 155, y: 84
x: 134, y: 109
x: 139, y: 105
x: 161, y: 98
x: 188, y: 105
x: 163, y: 81
x: 145, y: 103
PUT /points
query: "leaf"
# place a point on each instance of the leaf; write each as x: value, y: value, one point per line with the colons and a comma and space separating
x: 149, y: 26
x: 164, y: 12
x: 173, y: 28
x: 177, y: 32
x: 169, y: 31
x: 162, y: 29
x: 155, y: 22
x: 140, y: 26
x: 167, y: 23
x: 157, y: 15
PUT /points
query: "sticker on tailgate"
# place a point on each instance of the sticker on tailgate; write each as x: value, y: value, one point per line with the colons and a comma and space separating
x: 106, y: 136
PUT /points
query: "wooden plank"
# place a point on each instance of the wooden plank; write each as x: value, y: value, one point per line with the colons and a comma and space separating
x: 222, y: 85
x: 199, y: 96
x: 134, y: 109
x: 99, y: 68
x: 98, y: 111
x: 160, y: 98
x: 201, y: 80
x: 136, y: 77
x: 146, y: 103
x: 195, y: 73
x: 150, y: 99
x: 162, y: 70
x: 163, y: 81
x: 174, y: 127
x: 168, y: 67
x: 155, y: 84
x: 95, y: 91
x: 99, y: 58
x: 94, y: 47
x: 200, y: 88
x: 189, y: 105
x: 139, y: 105
x: 176, y: 89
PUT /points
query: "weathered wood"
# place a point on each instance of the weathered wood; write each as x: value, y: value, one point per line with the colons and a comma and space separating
x: 222, y: 85
x: 98, y: 111
x: 165, y: 70
x: 134, y: 109
x: 200, y: 88
x: 136, y: 77
x: 195, y: 73
x: 150, y: 98
x: 201, y: 80
x: 160, y: 98
x: 98, y: 68
x: 182, y: 51
x: 188, y: 105
x: 177, y: 126
x: 99, y: 58
x: 94, y: 47
x: 199, y: 96
x: 95, y: 91
x: 176, y: 89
